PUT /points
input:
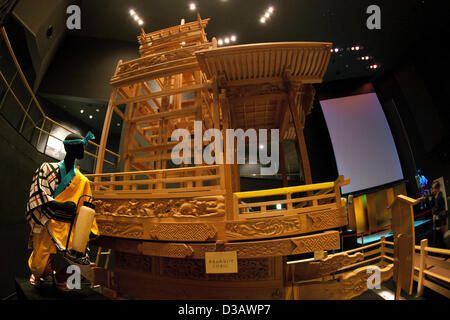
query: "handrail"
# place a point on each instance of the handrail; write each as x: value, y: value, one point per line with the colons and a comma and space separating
x: 146, y: 172
x: 280, y: 191
x: 405, y: 199
x: 33, y: 96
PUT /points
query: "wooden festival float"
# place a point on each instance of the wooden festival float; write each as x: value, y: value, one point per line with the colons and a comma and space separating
x: 160, y: 220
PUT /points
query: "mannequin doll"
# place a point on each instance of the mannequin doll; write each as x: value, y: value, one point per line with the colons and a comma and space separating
x: 52, y: 206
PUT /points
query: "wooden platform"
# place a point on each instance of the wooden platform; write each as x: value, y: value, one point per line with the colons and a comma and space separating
x: 25, y: 291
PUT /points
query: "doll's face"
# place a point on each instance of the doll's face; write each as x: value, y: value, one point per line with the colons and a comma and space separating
x: 75, y: 150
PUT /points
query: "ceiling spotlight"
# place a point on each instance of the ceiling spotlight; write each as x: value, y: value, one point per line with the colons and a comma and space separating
x: 136, y: 18
x: 192, y: 6
x: 220, y: 42
x: 353, y: 48
x: 267, y: 14
x: 227, y: 40
x: 140, y: 22
x: 263, y: 20
x: 81, y: 111
x: 132, y: 12
x: 270, y: 9
x: 233, y: 38
x: 357, y: 48
x: 98, y: 110
x: 336, y: 50
x: 90, y: 117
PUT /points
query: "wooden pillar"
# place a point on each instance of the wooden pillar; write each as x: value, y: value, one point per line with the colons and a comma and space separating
x: 300, y: 138
x: 105, y: 132
x: 422, y: 266
x: 283, y: 164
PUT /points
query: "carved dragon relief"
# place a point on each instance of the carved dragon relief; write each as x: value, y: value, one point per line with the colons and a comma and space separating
x: 346, y: 286
x: 267, y: 227
x: 317, y: 269
x: 128, y: 230
x: 201, y: 207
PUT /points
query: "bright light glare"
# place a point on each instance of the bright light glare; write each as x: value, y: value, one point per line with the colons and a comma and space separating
x: 233, y: 38
x: 278, y: 206
x: 132, y: 12
x: 220, y: 42
x: 227, y: 40
x: 136, y: 18
x: 267, y: 15
x: 141, y: 22
x: 263, y: 20
x: 192, y: 6
x: 81, y: 111
x: 270, y: 9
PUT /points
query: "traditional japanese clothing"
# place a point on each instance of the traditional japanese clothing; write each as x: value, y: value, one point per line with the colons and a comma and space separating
x: 52, y: 182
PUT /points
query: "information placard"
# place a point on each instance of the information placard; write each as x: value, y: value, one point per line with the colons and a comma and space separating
x: 221, y: 262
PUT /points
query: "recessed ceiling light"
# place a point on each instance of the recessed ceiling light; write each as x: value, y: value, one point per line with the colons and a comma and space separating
x: 262, y: 20
x: 81, y: 111
x: 192, y: 6
x: 140, y: 22
x: 220, y: 42
x: 136, y: 18
x: 270, y: 9
x: 132, y: 12
x: 98, y: 110
x: 227, y: 40
x: 233, y: 38
x: 267, y: 15
x: 90, y: 117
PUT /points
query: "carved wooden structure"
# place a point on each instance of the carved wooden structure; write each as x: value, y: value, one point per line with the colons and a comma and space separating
x: 160, y: 219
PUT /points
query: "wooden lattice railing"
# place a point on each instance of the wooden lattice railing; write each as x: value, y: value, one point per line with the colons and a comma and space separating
x: 294, y: 200
x: 163, y: 183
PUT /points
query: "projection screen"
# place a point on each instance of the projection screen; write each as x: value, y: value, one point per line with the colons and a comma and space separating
x: 362, y: 141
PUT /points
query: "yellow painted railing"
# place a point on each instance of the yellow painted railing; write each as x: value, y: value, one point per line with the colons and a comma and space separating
x: 327, y: 196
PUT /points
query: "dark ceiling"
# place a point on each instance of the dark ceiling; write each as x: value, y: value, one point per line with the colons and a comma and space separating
x: 403, y: 24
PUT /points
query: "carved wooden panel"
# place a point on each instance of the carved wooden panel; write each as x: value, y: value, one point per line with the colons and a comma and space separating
x: 133, y: 262
x: 268, y: 227
x: 181, y: 231
x: 248, y: 270
x: 120, y: 229
x: 287, y: 225
x: 327, y: 219
x: 346, y: 286
x: 163, y: 208
x: 317, y: 269
x: 173, y: 250
x: 250, y: 249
